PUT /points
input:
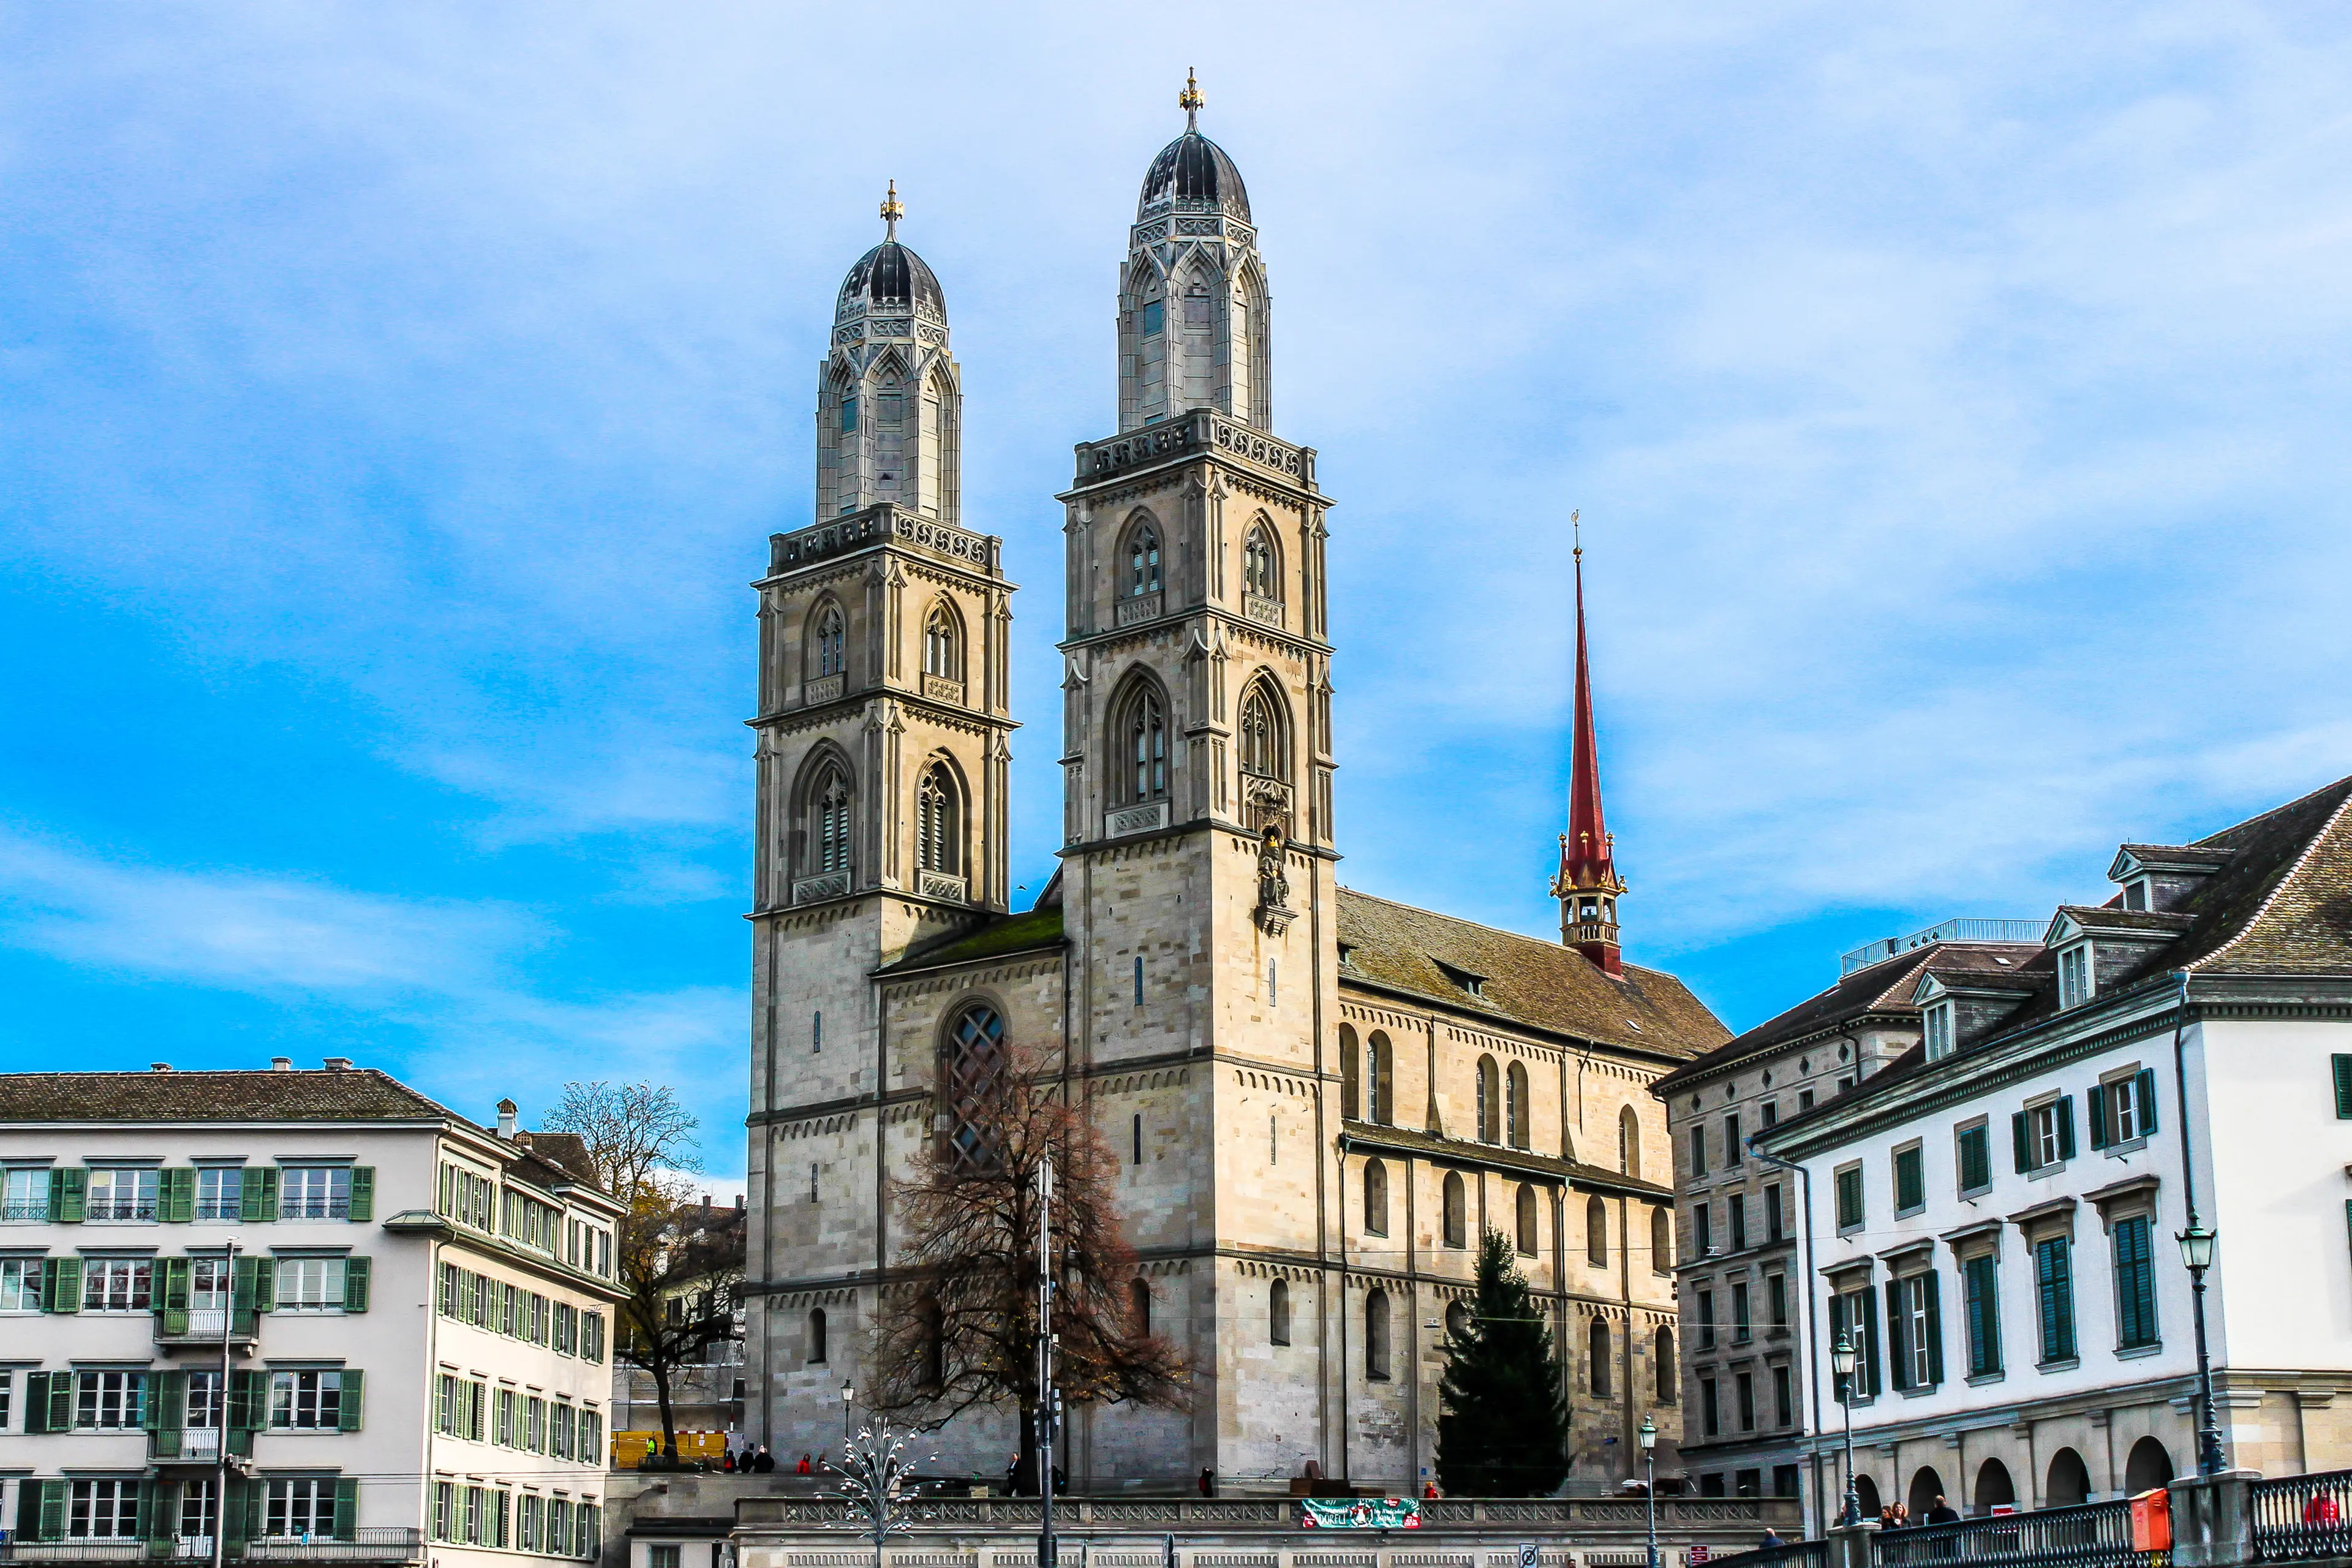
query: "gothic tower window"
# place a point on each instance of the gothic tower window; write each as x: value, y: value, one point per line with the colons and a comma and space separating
x: 889, y: 440
x: 1456, y: 1208
x: 1142, y: 738
x: 1515, y: 1106
x: 1142, y: 560
x: 1151, y: 355
x: 1264, y: 749
x: 1200, y: 327
x: 826, y: 810
x: 938, y: 828
x: 970, y: 1073
x: 1527, y: 1217
x: 1262, y: 566
x: 1490, y: 1096
x: 826, y: 643
x: 942, y: 643
x: 1376, y: 1198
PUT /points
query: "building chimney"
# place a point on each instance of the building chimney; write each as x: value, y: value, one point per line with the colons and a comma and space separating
x: 281, y: 1063
x: 507, y: 1120
x: 159, y: 1066
x: 338, y: 1064
x: 739, y: 1203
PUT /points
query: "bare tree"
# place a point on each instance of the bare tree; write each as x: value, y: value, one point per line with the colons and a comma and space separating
x: 680, y: 1260
x: 959, y: 1327
x: 632, y: 1131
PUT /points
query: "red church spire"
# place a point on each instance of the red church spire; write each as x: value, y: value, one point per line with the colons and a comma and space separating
x: 1587, y: 884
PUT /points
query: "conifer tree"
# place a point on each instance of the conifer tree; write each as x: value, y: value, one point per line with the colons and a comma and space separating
x: 1502, y: 1424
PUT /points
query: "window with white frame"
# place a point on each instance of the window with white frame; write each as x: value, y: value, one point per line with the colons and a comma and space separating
x: 305, y: 1400
x: 118, y: 1284
x: 220, y: 1191
x: 110, y: 1401
x: 122, y: 1193
x: 2075, y: 974
x: 310, y: 1284
x: 198, y: 1512
x: 1937, y: 1029
x: 25, y: 1193
x: 300, y: 1507
x: 316, y: 1192
x: 102, y: 1510
x: 20, y: 1284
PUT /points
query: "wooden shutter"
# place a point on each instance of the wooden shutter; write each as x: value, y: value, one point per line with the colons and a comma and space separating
x: 347, y: 1506
x: 1898, y: 1338
x: 159, y: 1507
x: 2065, y: 1111
x: 2023, y: 1139
x: 258, y: 1194
x: 61, y: 1393
x: 175, y: 1194
x: 2145, y: 1086
x: 167, y: 1411
x: 353, y: 1400
x: 2343, y: 1065
x: 61, y: 1285
x: 248, y: 1400
x: 1868, y: 1364
x: 1935, y: 1328
x: 356, y: 1271
x: 363, y: 1193
x: 2098, y: 1116
x: 52, y: 1515
x: 68, y: 1195
x: 173, y: 1295
x: 37, y: 1412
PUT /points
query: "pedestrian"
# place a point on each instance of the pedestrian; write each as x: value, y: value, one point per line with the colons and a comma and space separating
x: 726, y: 1461
x: 1429, y: 1489
x: 1208, y: 1481
x: 1771, y: 1539
x: 763, y: 1461
x: 2321, y: 1510
x: 804, y: 1466
x: 1012, y: 1476
x: 1943, y: 1512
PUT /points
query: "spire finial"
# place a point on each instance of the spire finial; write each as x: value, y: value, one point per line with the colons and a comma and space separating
x: 1576, y: 527
x: 1190, y: 100
x: 892, y: 212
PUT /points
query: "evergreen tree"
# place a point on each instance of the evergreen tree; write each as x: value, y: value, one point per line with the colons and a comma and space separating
x: 1502, y: 1424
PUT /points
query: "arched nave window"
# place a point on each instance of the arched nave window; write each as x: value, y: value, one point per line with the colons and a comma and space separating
x: 1457, y: 1210
x: 1376, y: 1198
x: 1596, y: 1231
x: 969, y: 1079
x: 1629, y: 1141
x: 1515, y: 1105
x: 1526, y: 1216
x: 1490, y: 1097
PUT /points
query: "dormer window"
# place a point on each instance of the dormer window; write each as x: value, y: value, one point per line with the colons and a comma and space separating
x: 1476, y: 984
x: 2075, y: 974
x: 1936, y: 1030
x: 2136, y: 894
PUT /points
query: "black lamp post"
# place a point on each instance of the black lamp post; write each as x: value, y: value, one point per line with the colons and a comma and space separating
x: 1842, y: 1362
x: 2197, y: 1252
x: 1649, y: 1437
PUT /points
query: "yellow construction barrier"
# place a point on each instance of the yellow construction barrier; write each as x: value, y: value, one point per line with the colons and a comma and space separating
x: 629, y: 1448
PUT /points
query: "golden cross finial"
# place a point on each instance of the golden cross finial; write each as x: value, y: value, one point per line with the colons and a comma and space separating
x: 1190, y: 100
x: 892, y: 212
x: 1576, y: 526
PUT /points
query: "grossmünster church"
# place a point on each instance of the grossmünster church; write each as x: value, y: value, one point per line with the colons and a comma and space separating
x: 1318, y: 1098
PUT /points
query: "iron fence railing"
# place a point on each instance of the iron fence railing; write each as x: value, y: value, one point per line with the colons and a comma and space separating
x: 368, y: 1544
x: 2302, y: 1517
x: 1795, y: 1553
x: 2092, y: 1535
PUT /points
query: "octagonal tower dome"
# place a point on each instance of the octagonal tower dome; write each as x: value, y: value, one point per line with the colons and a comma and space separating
x: 889, y: 403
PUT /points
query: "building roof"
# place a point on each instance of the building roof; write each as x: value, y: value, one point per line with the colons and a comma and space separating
x: 891, y: 274
x: 1522, y: 980
x: 1033, y: 930
x: 330, y: 1094
x: 1882, y: 987
x: 1193, y: 169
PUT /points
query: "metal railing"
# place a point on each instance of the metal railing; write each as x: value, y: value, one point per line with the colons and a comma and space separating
x: 1796, y: 1554
x: 373, y: 1543
x: 368, y: 1543
x: 2092, y: 1535
x: 1947, y: 930
x: 2301, y: 1517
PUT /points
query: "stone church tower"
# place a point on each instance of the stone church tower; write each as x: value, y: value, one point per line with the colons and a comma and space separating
x: 1319, y: 1099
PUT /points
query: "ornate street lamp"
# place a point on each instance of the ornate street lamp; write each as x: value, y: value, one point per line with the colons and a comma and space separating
x: 1649, y: 1435
x: 1842, y: 1362
x: 2197, y: 1252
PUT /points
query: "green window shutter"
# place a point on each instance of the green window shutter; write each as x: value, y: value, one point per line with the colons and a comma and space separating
x: 61, y: 1402
x: 36, y: 1414
x: 354, y: 1399
x: 2065, y: 1113
x: 247, y: 1520
x: 61, y: 1284
x: 68, y: 1195
x: 258, y: 1194
x: 347, y: 1507
x: 363, y: 1193
x: 2098, y: 1116
x: 1935, y: 1330
x: 2018, y: 1136
x: 264, y: 1284
x: 1869, y: 1337
x: 175, y: 1197
x: 53, y: 1511
x: 1898, y: 1340
x: 356, y: 1271
x: 160, y: 1502
x: 2343, y: 1065
x: 245, y: 1282
x: 174, y: 1296
x: 248, y: 1400
x: 167, y: 1411
x: 2145, y: 1085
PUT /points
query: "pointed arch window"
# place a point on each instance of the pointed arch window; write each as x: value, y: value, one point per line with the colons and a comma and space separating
x: 1600, y: 1356
x: 1380, y: 1100
x: 1596, y: 1231
x: 1515, y: 1106
x: 827, y: 647
x: 1527, y: 1218
x: 1490, y: 1107
x: 1456, y: 1210
x: 1277, y: 1313
x: 1142, y: 560
x: 1376, y: 1198
x: 939, y: 823
x: 942, y: 643
x: 1143, y: 741
x: 830, y: 810
x: 971, y: 1075
x: 1264, y: 747
x: 1629, y: 1141
x: 1376, y: 1336
x: 1262, y: 566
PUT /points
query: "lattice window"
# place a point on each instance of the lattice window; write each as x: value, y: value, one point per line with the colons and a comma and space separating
x: 969, y: 1077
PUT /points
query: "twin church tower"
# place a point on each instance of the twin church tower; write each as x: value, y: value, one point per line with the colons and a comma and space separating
x: 1318, y: 1099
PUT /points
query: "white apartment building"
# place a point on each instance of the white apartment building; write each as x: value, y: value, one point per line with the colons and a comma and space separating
x: 1996, y: 1211
x: 394, y: 1320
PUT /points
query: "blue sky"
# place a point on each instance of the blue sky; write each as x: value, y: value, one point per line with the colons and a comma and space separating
x: 397, y: 400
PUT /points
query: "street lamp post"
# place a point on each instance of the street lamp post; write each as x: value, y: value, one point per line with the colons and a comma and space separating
x: 2197, y: 1252
x: 848, y: 1398
x: 1842, y: 1362
x: 1649, y: 1437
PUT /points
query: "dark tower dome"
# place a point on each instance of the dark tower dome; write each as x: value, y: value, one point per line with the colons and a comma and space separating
x: 890, y: 274
x: 1192, y: 170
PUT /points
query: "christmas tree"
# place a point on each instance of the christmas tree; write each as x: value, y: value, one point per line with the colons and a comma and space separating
x: 1502, y: 1424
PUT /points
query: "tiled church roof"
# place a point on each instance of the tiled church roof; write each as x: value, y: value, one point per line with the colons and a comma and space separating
x: 356, y: 1094
x: 1522, y: 978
